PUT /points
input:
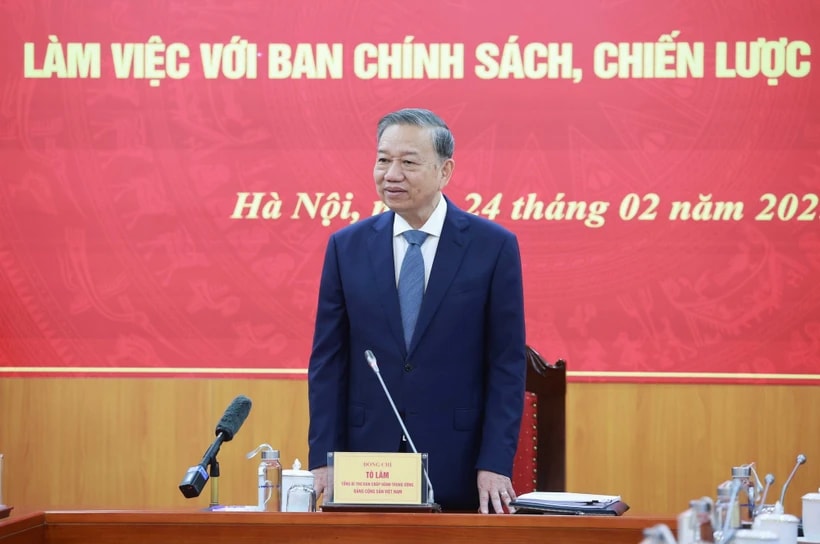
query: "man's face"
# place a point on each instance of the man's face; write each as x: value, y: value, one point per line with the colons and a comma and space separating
x: 409, y: 174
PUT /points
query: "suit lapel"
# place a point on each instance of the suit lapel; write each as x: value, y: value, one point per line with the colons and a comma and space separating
x: 451, y: 249
x: 380, y: 249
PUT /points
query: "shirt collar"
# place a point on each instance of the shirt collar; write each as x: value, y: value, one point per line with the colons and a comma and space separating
x: 433, y: 225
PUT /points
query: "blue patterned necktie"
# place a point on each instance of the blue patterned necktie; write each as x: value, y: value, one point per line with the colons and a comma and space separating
x: 411, y: 282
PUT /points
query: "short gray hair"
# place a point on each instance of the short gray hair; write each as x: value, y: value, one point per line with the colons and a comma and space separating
x: 443, y: 141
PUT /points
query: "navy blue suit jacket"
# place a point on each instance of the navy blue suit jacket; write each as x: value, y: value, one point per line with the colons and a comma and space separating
x: 459, y: 386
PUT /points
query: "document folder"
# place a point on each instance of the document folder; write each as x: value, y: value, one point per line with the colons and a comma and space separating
x: 569, y: 504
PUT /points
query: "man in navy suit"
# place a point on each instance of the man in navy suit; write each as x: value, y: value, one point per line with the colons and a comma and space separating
x: 458, y: 377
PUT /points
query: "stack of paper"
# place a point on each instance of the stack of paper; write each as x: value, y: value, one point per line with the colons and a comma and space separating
x: 550, y: 502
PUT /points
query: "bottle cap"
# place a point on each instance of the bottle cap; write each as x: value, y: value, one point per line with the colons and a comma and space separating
x: 702, y: 505
x: 724, y: 490
x: 743, y: 471
x: 270, y: 454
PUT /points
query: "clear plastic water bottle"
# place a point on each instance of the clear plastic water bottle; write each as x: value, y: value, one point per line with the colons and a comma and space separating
x: 269, y: 478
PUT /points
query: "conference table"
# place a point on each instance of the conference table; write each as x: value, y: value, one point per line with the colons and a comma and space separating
x: 189, y: 526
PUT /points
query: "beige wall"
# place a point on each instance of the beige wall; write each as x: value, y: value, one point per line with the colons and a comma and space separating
x: 126, y: 443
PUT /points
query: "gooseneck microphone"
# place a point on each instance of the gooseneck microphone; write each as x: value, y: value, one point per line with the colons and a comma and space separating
x: 769, y: 479
x: 371, y: 360
x: 195, y: 478
x: 800, y: 460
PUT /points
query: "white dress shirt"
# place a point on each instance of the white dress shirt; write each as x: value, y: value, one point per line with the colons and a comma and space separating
x: 432, y: 227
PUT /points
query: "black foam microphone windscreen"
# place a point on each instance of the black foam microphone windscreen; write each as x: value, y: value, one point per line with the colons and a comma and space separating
x: 234, y: 417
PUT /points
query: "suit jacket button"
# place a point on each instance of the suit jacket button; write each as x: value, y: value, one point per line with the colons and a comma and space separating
x: 408, y: 367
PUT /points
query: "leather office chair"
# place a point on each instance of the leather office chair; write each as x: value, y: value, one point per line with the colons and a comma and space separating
x: 540, y: 461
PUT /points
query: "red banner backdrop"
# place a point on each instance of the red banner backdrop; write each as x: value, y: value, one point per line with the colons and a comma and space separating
x: 171, y: 172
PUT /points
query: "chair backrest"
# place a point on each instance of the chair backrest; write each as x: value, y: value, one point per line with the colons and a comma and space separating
x: 540, y: 462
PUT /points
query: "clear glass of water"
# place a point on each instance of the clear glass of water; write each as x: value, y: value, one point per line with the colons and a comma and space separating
x: 301, y: 498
